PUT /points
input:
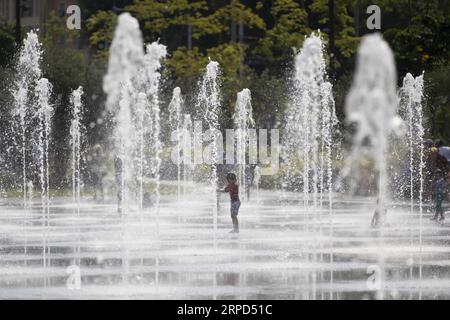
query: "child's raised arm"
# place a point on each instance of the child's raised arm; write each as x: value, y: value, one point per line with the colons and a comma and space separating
x: 225, y: 189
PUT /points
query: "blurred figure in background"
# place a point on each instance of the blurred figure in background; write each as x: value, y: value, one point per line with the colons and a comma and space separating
x: 433, y: 161
x: 448, y: 183
x: 118, y: 174
x: 249, y: 177
x: 444, y: 151
x: 379, y: 216
x: 439, y: 193
x: 98, y: 171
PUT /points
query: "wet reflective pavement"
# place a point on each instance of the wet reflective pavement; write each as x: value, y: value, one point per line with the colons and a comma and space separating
x: 282, y: 252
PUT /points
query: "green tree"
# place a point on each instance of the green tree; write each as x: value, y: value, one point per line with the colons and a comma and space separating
x: 418, y: 33
x: 437, y: 88
x: 7, y: 43
x: 233, y: 14
x: 66, y: 68
x: 100, y: 27
x: 161, y: 19
x: 62, y: 61
x: 346, y: 41
x: 288, y: 32
x: 186, y: 64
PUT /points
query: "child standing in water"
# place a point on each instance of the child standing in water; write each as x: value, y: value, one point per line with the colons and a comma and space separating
x: 233, y: 189
x: 440, y: 188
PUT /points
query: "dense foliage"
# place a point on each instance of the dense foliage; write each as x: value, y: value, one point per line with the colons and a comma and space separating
x: 254, y: 42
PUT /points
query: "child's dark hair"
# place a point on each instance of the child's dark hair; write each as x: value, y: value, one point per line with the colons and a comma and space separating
x: 231, y: 176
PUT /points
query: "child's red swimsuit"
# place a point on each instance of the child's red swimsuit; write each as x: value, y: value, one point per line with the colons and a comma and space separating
x: 233, y: 190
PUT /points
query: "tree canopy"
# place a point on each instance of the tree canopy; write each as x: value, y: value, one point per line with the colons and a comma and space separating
x: 254, y: 42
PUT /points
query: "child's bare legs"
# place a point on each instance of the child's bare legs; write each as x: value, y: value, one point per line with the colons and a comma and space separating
x: 119, y: 200
x: 235, y: 223
x: 234, y: 213
x: 439, y: 210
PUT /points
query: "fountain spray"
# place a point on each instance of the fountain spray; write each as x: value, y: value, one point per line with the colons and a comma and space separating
x: 29, y: 72
x: 175, y: 121
x: 411, y: 100
x: 411, y: 96
x: 187, y: 157
x: 243, y: 121
x: 126, y: 57
x: 311, y: 122
x: 44, y: 114
x: 155, y: 53
x: 372, y: 106
x: 76, y: 132
x: 208, y: 104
